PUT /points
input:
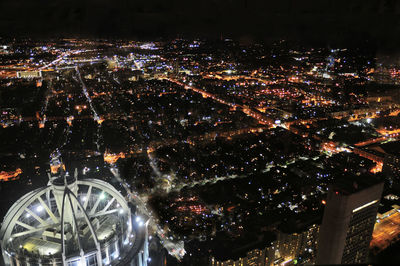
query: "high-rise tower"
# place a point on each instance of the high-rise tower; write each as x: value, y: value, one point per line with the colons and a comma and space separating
x: 348, y: 222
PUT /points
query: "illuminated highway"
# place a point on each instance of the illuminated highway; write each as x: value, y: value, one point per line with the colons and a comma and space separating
x: 85, y: 92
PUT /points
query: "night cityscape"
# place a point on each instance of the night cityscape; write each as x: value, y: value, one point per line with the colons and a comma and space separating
x: 198, y: 144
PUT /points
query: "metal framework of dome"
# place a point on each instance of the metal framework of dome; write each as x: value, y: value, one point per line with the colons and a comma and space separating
x: 73, y: 222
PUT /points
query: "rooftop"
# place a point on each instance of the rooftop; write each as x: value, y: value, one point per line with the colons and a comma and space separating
x: 392, y: 147
x: 349, y: 183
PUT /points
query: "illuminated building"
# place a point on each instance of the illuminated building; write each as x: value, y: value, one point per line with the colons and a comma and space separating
x: 254, y: 257
x: 348, y: 221
x: 292, y: 247
x: 29, y: 74
x: 73, y: 222
x: 295, y: 244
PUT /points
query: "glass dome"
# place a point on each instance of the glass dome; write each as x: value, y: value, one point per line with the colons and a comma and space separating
x: 73, y: 222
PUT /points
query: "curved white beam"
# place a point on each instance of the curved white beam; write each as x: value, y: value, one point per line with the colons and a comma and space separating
x: 16, y: 214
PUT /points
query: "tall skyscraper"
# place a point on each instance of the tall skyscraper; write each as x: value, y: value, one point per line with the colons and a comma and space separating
x: 348, y: 222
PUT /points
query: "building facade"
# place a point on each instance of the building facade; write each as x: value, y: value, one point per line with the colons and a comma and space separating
x: 348, y: 221
x: 29, y: 74
x: 295, y: 247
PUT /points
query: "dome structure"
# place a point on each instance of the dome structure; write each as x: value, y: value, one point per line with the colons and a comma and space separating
x: 73, y: 222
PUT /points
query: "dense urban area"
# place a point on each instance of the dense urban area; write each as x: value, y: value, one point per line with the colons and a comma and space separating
x: 228, y: 148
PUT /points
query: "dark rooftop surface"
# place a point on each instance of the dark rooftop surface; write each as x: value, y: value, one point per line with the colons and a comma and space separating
x: 392, y: 148
x: 300, y: 224
x: 349, y: 183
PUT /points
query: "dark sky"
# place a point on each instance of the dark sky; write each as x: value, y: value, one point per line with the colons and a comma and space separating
x: 306, y: 20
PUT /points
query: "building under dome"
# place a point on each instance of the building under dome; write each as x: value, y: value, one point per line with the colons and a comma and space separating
x: 73, y: 222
